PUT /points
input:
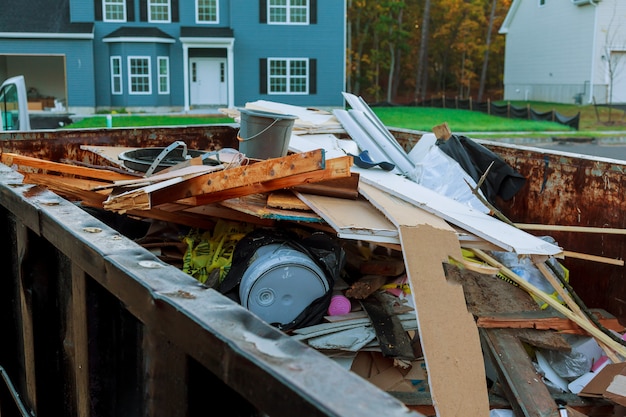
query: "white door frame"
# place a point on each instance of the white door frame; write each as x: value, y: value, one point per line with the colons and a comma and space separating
x: 221, y: 43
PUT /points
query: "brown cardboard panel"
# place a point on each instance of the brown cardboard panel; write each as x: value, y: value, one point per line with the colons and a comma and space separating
x: 610, y: 383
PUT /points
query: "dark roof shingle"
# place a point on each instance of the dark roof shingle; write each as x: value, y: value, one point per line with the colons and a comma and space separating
x: 40, y: 16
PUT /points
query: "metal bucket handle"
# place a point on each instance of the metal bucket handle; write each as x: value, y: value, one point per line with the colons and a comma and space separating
x: 164, y: 153
x: 261, y: 132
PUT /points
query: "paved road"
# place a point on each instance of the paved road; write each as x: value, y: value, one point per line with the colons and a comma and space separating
x: 614, y: 147
x: 616, y: 150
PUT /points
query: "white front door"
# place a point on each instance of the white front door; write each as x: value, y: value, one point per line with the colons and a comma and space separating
x: 208, y: 84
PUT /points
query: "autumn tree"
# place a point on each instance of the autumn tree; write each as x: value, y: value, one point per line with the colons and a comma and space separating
x: 420, y: 46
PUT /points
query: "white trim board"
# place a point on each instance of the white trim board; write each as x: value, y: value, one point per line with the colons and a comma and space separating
x: 501, y: 234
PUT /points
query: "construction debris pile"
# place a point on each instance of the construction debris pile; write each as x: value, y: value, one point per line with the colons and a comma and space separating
x: 339, y: 240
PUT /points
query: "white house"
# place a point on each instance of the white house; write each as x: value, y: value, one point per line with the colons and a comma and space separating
x: 566, y: 51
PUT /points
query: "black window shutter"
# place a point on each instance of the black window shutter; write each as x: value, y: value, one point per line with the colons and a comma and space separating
x: 312, y: 76
x: 262, y: 11
x: 143, y: 10
x: 263, y: 75
x: 313, y: 12
x: 175, y: 17
x: 97, y: 9
x: 130, y: 10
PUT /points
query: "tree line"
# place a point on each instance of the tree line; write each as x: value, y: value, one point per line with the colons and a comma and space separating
x: 402, y: 51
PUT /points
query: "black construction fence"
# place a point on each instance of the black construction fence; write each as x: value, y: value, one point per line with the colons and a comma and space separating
x: 502, y: 110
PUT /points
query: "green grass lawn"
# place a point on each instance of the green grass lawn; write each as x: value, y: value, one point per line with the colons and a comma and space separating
x: 594, y: 121
x: 137, y: 120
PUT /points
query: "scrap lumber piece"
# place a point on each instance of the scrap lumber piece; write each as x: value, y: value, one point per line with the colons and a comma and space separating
x: 171, y: 190
x: 184, y: 173
x: 365, y: 286
x: 523, y: 386
x: 580, y: 229
x: 334, y: 168
x: 594, y: 258
x: 11, y: 159
x: 394, y: 341
x: 569, y: 301
x: 442, y: 131
x: 256, y: 205
x: 448, y: 334
x: 490, y: 295
x: 545, y: 320
x: 585, y: 324
x: 216, y: 211
x: 285, y: 199
x: 339, y: 187
x: 74, y: 189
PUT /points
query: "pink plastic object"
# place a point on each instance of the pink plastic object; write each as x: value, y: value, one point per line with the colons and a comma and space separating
x: 339, y: 305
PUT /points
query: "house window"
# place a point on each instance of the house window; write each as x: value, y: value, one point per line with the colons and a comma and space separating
x: 206, y: 11
x: 116, y: 75
x: 139, y: 75
x: 114, y: 10
x: 164, y: 74
x: 288, y: 76
x: 288, y: 12
x: 159, y: 10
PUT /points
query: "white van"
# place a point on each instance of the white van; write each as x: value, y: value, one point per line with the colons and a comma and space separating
x: 14, y: 105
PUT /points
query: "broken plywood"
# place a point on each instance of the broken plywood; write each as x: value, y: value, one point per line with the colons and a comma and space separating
x: 448, y: 333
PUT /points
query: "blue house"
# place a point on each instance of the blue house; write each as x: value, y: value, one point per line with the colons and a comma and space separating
x: 174, y: 55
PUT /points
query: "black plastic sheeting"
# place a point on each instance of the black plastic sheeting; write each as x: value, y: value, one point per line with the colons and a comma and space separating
x: 502, y: 180
x: 502, y: 110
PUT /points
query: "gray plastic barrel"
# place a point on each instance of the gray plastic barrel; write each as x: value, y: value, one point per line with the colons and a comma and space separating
x: 280, y: 283
x: 264, y: 135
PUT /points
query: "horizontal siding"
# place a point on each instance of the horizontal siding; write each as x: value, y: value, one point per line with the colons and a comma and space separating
x: 323, y: 41
x: 79, y: 64
x: 81, y: 11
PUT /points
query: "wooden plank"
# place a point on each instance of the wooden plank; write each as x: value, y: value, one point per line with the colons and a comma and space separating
x: 147, y: 197
x: 365, y: 286
x: 542, y: 320
x: 335, y: 168
x: 523, y: 386
x: 256, y: 205
x: 487, y: 295
x: 585, y: 324
x: 184, y: 173
x: 428, y: 242
x: 393, y: 340
x: 69, y: 188
x: 11, y: 158
x: 339, y: 187
x: 594, y: 258
x: 286, y: 200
